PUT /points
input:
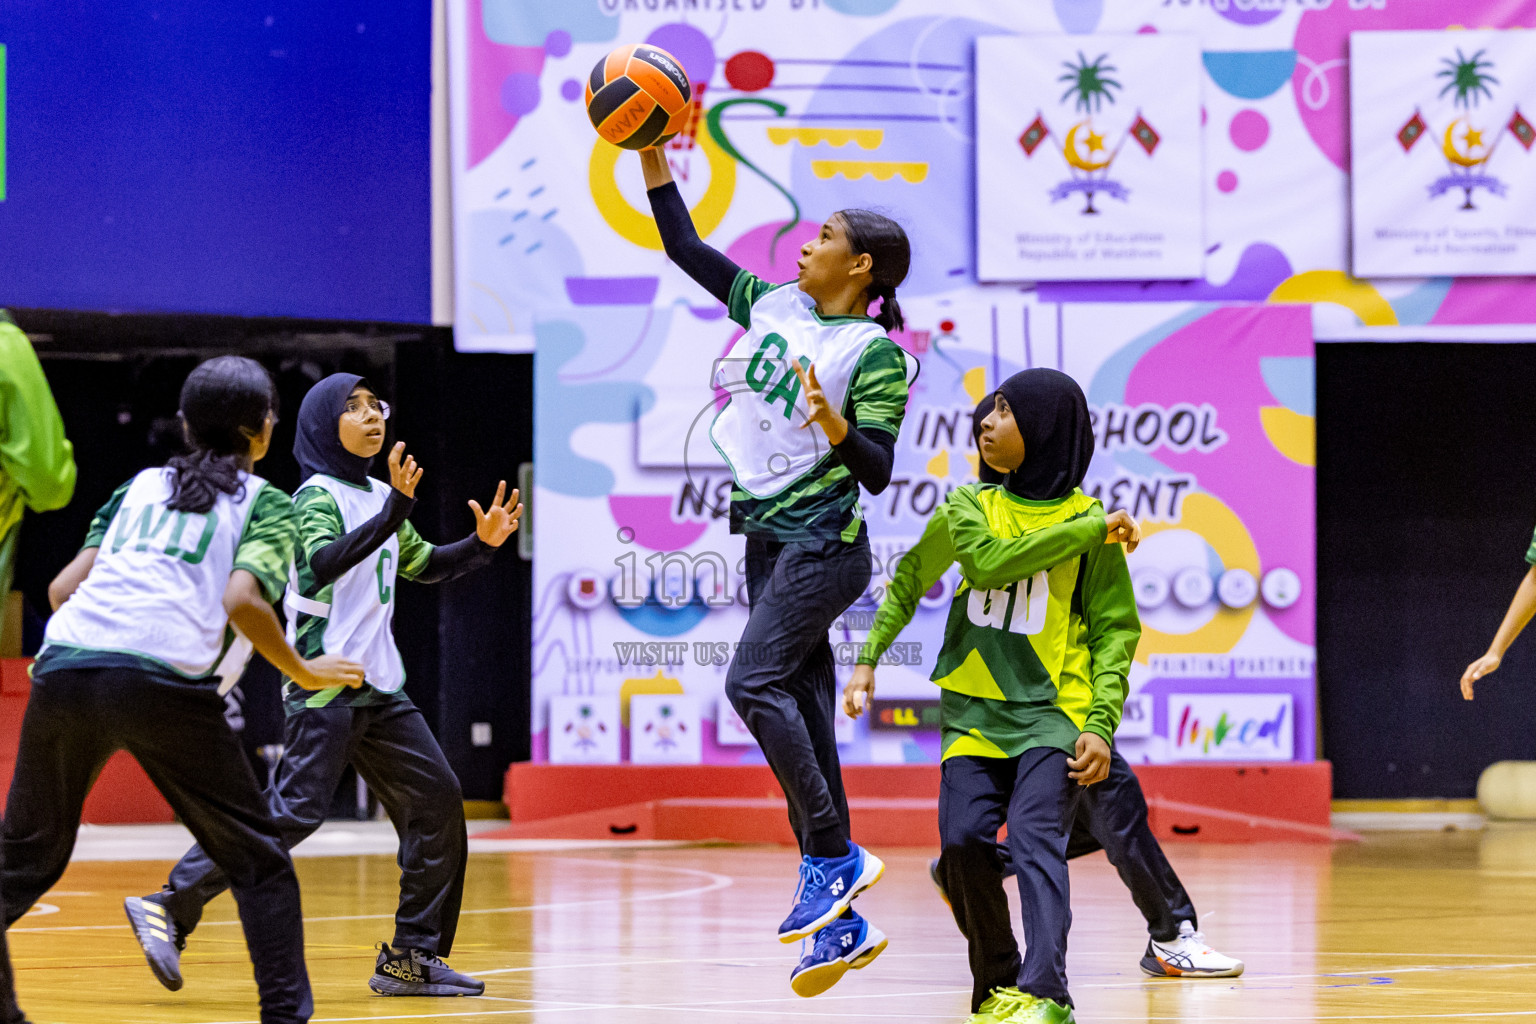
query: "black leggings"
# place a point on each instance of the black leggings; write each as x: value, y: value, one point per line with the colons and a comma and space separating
x: 78, y: 718
x: 783, y: 682
x: 397, y: 755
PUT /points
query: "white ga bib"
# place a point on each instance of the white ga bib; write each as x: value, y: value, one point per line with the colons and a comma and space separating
x: 759, y: 432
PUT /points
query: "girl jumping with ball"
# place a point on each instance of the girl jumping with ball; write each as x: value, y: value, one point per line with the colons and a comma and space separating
x: 817, y: 391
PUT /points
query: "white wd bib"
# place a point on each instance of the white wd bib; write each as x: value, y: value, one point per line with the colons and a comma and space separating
x: 362, y: 607
x: 759, y: 430
x: 157, y: 586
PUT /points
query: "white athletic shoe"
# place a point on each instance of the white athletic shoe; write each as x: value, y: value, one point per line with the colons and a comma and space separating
x: 1187, y: 957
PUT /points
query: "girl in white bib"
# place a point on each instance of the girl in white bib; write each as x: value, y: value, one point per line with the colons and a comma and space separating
x: 817, y: 391
x: 152, y: 621
x: 354, y: 545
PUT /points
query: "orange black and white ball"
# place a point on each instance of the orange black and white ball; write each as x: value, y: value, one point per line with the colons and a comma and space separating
x: 637, y: 96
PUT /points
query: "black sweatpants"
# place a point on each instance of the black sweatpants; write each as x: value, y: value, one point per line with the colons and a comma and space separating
x: 1113, y: 817
x: 10, y: 1013
x: 76, y: 719
x: 1034, y: 796
x: 399, y: 758
x: 783, y: 682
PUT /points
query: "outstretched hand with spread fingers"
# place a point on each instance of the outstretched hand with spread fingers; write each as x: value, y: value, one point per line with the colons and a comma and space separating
x: 818, y: 409
x: 495, y: 526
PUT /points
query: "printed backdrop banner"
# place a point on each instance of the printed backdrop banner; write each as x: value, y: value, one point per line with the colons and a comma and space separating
x: 1088, y: 167
x: 1203, y: 387
x: 1444, y: 176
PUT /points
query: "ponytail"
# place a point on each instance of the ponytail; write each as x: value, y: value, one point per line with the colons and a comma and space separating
x: 890, y: 255
x: 890, y: 316
x: 225, y: 403
x: 198, y: 478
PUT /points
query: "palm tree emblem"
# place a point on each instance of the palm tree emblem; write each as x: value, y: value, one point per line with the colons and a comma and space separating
x: 1468, y: 77
x: 1089, y: 81
x: 1466, y: 147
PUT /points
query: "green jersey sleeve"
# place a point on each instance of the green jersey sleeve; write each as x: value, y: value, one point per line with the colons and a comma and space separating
x: 103, y: 518
x: 266, y: 544
x: 746, y: 290
x: 414, y: 552
x: 990, y: 562
x: 916, y: 573
x: 878, y: 393
x: 1109, y: 611
x: 319, y: 521
x: 1530, y: 552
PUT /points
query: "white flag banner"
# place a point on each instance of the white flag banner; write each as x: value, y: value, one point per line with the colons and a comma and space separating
x: 1088, y: 158
x: 1443, y: 125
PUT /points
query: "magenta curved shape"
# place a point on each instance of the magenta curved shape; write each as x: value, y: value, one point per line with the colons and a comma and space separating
x: 1488, y: 300
x: 489, y: 66
x: 650, y: 516
x: 1273, y: 496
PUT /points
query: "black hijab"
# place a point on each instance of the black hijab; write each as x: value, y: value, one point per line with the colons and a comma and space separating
x: 1052, y: 416
x: 984, y: 408
x: 317, y: 442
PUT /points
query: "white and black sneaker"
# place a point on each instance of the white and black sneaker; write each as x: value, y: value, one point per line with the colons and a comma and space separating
x: 158, y: 937
x: 1187, y: 957
x: 415, y: 972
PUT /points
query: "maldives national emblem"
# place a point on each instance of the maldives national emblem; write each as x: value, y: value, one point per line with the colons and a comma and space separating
x: 1471, y: 137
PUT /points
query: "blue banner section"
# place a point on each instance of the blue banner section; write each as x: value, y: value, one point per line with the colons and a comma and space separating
x: 177, y: 156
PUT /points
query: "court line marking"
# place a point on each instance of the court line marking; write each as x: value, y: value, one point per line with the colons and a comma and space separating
x: 716, y: 883
x: 548, y: 1006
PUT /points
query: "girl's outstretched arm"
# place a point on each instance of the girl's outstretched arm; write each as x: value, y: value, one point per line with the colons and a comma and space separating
x: 331, y: 557
x: 492, y: 529
x: 1520, y: 611
x: 710, y: 267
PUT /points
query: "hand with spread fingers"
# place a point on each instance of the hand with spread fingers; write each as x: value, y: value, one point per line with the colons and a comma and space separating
x: 818, y: 409
x: 404, y: 474
x: 495, y: 526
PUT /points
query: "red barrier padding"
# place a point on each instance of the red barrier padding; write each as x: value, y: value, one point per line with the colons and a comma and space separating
x: 891, y: 805
x: 123, y: 794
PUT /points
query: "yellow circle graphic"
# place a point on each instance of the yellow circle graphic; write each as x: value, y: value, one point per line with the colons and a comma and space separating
x: 640, y: 228
x: 1218, y: 526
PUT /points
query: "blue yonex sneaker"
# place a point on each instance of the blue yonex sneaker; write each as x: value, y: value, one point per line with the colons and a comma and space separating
x: 848, y: 943
x: 827, y: 886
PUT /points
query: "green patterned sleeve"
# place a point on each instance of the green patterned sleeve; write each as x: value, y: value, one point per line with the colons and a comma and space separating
x: 990, y: 562
x: 266, y: 543
x: 103, y: 518
x: 1530, y: 552
x: 319, y: 521
x: 414, y: 552
x: 878, y: 395
x: 916, y: 573
x: 746, y: 290
x: 1114, y: 628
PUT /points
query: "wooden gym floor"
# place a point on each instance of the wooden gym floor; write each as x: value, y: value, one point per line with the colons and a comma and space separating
x: 1398, y: 927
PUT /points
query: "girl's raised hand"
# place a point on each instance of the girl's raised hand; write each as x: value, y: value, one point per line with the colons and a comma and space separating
x: 1120, y: 528
x: 495, y: 526
x: 818, y: 409
x: 404, y: 474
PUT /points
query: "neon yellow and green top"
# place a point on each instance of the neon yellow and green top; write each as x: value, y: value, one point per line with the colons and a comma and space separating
x: 37, y: 462
x: 1041, y: 631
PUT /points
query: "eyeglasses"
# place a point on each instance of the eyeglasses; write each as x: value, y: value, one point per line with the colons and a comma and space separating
x: 360, y: 407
